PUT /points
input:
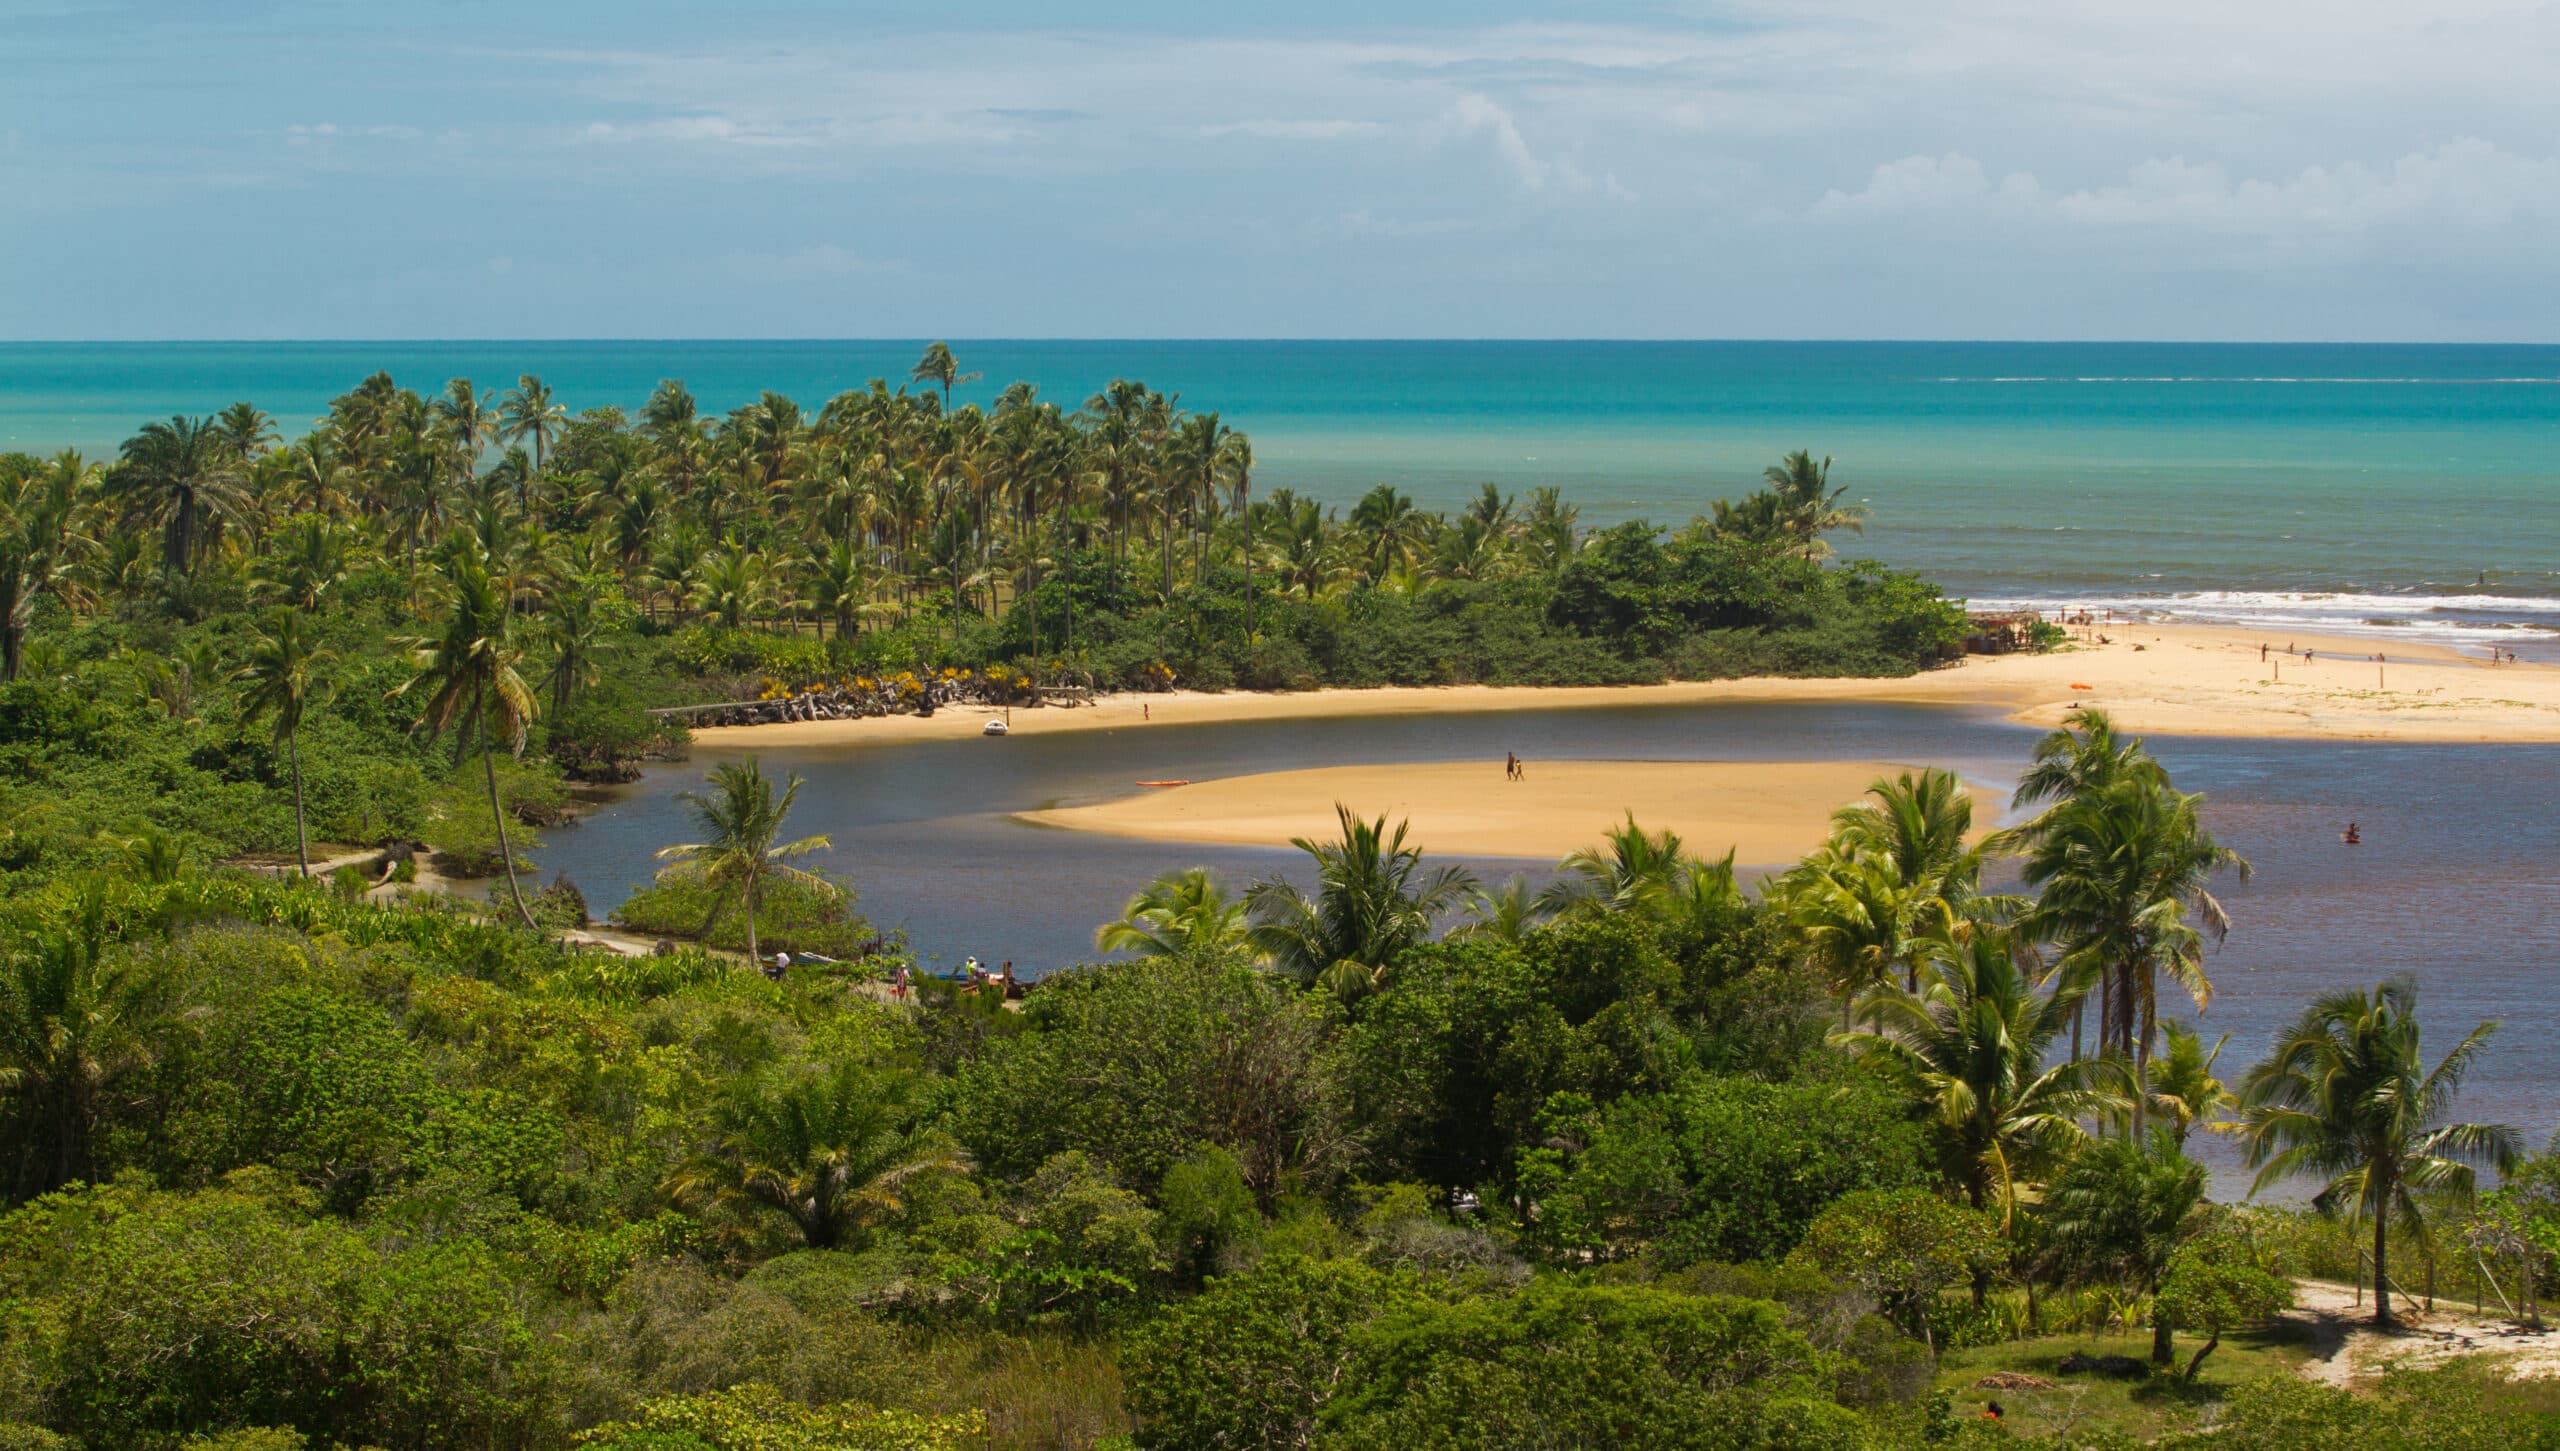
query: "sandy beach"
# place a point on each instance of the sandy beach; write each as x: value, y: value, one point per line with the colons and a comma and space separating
x: 1765, y: 812
x: 2162, y: 679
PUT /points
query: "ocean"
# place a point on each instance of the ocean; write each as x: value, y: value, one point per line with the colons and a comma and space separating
x: 2408, y: 492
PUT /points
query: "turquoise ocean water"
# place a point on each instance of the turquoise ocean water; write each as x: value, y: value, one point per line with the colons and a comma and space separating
x: 2399, y: 490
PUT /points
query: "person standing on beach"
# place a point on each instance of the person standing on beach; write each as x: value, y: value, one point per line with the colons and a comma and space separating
x: 1510, y: 766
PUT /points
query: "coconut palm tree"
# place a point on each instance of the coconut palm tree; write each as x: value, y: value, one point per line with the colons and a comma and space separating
x: 283, y: 678
x: 38, y: 551
x: 939, y: 368
x: 2119, y: 1210
x: 468, y: 418
x: 834, y: 1152
x: 1808, y: 505
x: 1919, y: 824
x: 1632, y: 870
x: 528, y: 410
x: 185, y: 474
x: 305, y: 560
x: 741, y: 819
x: 2179, y: 1084
x: 468, y: 673
x: 1971, y: 1050
x: 74, y: 1022
x: 1374, y: 900
x: 2345, y: 1097
x: 2082, y: 758
x: 1507, y: 913
x: 2123, y: 875
x: 1183, y: 913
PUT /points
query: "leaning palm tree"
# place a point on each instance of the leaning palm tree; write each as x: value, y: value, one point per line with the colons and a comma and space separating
x: 939, y: 368
x: 2346, y: 1097
x: 834, y: 1152
x: 469, y: 676
x: 1374, y: 900
x: 1971, y: 1049
x: 1185, y: 914
x: 741, y: 819
x: 283, y: 676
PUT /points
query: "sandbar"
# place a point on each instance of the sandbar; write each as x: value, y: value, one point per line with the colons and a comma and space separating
x: 1765, y: 812
x: 2158, y: 679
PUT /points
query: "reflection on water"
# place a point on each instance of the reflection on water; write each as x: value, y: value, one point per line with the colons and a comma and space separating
x: 2454, y: 880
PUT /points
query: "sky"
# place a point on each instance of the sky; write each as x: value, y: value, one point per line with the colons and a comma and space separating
x: 2188, y: 169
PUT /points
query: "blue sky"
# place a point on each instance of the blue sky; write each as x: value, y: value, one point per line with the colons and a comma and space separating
x: 2249, y: 169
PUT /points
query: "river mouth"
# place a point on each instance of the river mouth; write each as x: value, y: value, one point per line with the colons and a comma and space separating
x: 2454, y: 878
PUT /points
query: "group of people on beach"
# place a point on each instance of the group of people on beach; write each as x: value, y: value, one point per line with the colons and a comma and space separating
x: 1513, y: 768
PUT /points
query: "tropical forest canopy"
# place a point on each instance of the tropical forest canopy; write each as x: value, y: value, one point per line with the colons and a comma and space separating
x: 299, y: 1152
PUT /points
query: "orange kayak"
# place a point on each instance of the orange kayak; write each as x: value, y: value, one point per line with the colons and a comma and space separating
x: 1164, y: 783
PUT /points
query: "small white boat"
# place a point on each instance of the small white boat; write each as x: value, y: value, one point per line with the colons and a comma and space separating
x: 995, y: 727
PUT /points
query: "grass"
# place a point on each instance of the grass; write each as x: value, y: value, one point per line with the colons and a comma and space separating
x: 2142, y: 1408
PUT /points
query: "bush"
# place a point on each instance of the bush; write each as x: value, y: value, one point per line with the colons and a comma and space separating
x: 793, y: 914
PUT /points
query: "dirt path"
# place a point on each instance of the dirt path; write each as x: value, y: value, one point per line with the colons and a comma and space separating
x: 2347, y: 1349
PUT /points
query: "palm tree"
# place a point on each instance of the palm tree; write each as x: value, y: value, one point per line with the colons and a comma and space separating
x: 2123, y: 874
x: 283, y: 679
x: 468, y: 674
x: 2345, y: 1096
x: 1374, y: 900
x: 305, y: 560
x: 185, y: 473
x: 1508, y: 913
x: 2119, y: 1210
x: 2084, y: 757
x: 37, y: 547
x: 833, y: 1152
x: 1390, y: 530
x: 1235, y: 465
x: 468, y: 419
x: 939, y: 367
x: 1185, y: 914
x: 741, y: 818
x: 2180, y: 1084
x: 73, y: 1023
x: 528, y: 411
x: 1971, y: 1049
x: 1808, y: 505
x: 1633, y: 870
x: 248, y: 431
x: 1918, y: 823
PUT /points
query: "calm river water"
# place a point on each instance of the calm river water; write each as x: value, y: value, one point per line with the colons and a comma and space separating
x: 2455, y: 880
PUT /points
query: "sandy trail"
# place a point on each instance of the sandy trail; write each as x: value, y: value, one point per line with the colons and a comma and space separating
x: 2347, y: 1350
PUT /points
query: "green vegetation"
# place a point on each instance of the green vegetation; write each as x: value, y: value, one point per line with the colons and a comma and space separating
x: 292, y: 1160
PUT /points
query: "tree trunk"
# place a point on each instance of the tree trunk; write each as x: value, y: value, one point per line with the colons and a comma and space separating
x: 2381, y: 1260
x: 2201, y: 1352
x: 498, y: 815
x: 753, y: 960
x: 301, y: 838
x: 2160, y: 1353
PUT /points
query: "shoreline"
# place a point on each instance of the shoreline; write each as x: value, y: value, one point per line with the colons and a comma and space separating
x: 2178, y: 680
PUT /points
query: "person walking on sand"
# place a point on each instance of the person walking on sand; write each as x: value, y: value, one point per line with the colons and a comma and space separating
x: 1510, y: 766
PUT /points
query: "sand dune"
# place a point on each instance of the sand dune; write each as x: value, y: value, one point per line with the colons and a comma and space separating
x: 1767, y: 813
